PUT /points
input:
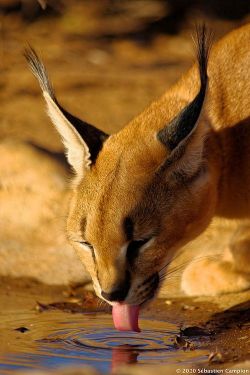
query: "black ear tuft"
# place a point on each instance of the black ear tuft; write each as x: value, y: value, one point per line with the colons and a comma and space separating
x: 92, y: 136
x: 39, y: 71
x: 183, y: 124
x: 203, y: 42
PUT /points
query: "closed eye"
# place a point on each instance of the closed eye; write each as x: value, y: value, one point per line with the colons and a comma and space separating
x: 86, y: 244
x: 134, y: 247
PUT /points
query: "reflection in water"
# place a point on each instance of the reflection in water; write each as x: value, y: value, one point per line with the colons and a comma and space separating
x: 123, y: 355
x: 58, y: 339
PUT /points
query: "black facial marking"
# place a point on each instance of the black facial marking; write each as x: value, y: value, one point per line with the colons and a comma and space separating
x: 128, y: 227
x: 91, y: 248
x: 134, y: 248
x: 93, y: 255
x: 155, y: 281
x: 151, y: 284
x: 97, y: 276
x: 149, y: 280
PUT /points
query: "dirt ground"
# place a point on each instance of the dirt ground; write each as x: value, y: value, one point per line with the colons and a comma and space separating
x: 107, y: 61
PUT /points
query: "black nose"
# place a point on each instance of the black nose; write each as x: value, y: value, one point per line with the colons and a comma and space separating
x: 116, y: 295
x: 120, y: 293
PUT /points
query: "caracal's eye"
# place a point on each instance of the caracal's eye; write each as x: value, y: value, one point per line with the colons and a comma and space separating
x: 85, y: 245
x: 134, y: 248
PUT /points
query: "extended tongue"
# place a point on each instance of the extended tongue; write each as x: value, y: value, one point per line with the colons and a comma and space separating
x: 125, y: 317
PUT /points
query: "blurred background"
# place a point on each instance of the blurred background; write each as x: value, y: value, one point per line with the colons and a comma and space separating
x: 108, y: 59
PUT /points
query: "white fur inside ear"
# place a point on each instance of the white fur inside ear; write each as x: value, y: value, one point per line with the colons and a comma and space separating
x: 77, y: 151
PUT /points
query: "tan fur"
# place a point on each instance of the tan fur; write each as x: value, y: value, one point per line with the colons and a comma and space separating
x: 129, y: 179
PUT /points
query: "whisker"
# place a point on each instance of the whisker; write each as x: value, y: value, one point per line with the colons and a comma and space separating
x: 179, y: 253
x: 176, y: 278
x: 175, y: 269
x: 102, y: 305
x: 164, y: 273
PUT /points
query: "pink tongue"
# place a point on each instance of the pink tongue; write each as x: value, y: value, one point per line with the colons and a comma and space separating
x: 125, y: 317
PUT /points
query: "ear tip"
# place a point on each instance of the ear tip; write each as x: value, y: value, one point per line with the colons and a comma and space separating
x: 38, y: 69
x: 203, y: 41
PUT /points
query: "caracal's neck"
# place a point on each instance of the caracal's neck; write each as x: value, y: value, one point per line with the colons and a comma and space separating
x: 234, y: 186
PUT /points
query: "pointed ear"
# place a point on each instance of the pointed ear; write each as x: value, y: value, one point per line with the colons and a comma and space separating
x: 82, y: 141
x: 182, y: 135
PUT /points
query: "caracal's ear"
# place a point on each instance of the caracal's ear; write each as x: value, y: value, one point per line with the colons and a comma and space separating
x: 183, y: 136
x: 82, y: 141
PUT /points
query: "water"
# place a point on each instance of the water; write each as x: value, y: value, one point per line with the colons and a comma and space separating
x: 58, y: 339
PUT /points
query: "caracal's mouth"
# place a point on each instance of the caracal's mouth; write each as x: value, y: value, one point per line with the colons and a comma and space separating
x: 126, y: 316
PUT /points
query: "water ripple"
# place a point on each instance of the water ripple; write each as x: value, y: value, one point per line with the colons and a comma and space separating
x: 58, y: 339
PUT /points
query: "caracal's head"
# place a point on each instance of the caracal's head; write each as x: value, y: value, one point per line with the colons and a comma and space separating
x: 138, y: 195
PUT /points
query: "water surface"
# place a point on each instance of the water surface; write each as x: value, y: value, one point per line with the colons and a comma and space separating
x: 56, y: 339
